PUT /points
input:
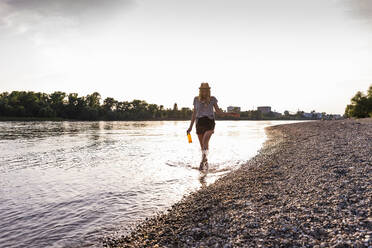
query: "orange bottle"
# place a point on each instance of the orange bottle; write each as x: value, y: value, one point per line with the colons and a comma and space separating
x: 189, y: 137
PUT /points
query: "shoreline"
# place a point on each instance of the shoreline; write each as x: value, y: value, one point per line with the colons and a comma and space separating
x: 308, y: 186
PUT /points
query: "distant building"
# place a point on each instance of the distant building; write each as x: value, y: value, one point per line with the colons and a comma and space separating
x: 233, y: 109
x: 264, y: 109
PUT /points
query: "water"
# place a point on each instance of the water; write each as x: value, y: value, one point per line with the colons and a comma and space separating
x: 68, y: 184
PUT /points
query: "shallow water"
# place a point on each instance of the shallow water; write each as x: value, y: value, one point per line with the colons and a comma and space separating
x: 67, y: 184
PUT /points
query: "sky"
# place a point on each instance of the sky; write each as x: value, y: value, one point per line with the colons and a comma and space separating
x: 289, y: 54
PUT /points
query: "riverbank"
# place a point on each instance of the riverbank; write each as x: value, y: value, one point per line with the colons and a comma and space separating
x: 309, y: 186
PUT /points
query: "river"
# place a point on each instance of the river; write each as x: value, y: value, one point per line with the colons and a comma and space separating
x: 69, y: 184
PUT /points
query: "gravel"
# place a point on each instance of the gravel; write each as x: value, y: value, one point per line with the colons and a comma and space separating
x: 309, y: 186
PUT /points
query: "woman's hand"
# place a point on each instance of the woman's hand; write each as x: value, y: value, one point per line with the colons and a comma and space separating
x: 189, y: 130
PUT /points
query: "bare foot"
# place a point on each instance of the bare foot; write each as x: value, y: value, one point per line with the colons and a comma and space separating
x: 201, y: 165
x: 206, y: 165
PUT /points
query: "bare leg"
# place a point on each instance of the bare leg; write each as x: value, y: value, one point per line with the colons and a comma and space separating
x: 204, y: 145
x: 206, y: 138
x: 200, y: 136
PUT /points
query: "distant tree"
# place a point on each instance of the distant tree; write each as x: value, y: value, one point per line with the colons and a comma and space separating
x: 4, y: 104
x: 56, y: 100
x: 153, y: 110
x: 174, y: 112
x: 361, y: 105
x: 47, y: 111
x: 186, y: 113
x: 72, y: 110
x: 299, y: 114
x: 109, y: 104
x: 108, y: 109
x: 161, y: 111
x: 73, y: 99
x: 93, y: 100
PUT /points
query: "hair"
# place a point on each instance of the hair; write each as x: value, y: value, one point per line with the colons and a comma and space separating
x: 208, y: 98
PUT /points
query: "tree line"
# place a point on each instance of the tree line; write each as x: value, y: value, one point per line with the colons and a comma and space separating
x: 71, y: 106
x: 361, y: 105
x: 60, y: 105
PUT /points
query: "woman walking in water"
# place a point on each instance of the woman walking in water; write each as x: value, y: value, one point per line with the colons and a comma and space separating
x: 204, y: 118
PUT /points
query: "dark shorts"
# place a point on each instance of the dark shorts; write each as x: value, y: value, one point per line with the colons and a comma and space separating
x: 204, y: 124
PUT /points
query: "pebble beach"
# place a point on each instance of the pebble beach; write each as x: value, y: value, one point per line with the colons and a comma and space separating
x: 309, y: 186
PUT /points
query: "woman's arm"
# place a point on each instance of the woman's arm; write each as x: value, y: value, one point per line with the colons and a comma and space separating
x: 192, y: 120
x: 220, y: 111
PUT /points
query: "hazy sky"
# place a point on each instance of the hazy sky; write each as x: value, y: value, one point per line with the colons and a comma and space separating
x: 290, y: 54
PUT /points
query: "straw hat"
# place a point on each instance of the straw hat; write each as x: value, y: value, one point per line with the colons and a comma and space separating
x: 204, y: 86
